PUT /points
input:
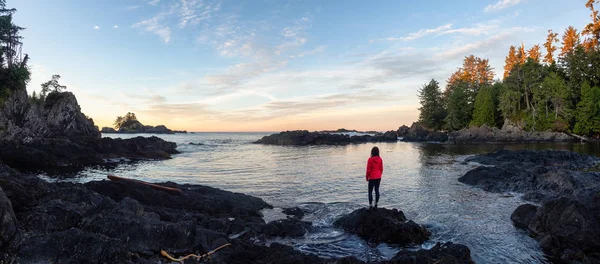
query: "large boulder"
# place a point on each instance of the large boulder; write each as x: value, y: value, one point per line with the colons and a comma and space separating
x: 567, y: 230
x: 383, y: 225
x: 403, y: 131
x: 290, y: 227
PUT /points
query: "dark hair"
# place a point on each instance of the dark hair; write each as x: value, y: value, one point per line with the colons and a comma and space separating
x: 374, y: 151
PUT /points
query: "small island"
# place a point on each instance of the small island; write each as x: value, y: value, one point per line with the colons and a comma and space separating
x: 129, y: 124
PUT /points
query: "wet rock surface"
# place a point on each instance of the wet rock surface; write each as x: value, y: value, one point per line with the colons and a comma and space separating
x: 64, y: 153
x: 305, y: 138
x: 567, y: 222
x: 383, y: 225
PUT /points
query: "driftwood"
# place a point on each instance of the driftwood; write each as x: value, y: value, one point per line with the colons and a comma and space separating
x: 197, y: 257
x: 170, y: 190
x: 582, y: 138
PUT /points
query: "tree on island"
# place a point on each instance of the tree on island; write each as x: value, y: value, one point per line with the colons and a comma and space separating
x: 125, y: 121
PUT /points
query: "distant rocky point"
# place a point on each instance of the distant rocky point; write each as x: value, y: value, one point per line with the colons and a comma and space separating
x: 305, y: 138
x: 130, y: 125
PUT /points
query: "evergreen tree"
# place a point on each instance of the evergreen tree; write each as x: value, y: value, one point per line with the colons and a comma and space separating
x: 534, y: 53
x: 562, y: 109
x: 459, y: 109
x: 588, y: 111
x: 592, y: 30
x: 484, y: 111
x: 510, y: 61
x: 550, y: 48
x: 432, y: 112
x: 571, y: 40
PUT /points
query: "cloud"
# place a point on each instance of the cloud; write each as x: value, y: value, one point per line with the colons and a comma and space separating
x: 476, y: 30
x: 194, y: 11
x: 316, y: 50
x: 133, y: 7
x: 484, y: 45
x: 153, y: 2
x: 96, y: 27
x: 154, y: 26
x: 419, y: 34
x: 115, y: 26
x: 502, y: 4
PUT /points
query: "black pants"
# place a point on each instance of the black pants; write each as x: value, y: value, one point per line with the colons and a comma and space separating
x: 374, y: 183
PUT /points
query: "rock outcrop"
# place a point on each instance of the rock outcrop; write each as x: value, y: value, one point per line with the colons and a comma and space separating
x: 567, y: 224
x: 383, y: 225
x: 55, y: 135
x: 135, y: 127
x: 305, y: 138
x: 508, y: 134
x: 419, y: 133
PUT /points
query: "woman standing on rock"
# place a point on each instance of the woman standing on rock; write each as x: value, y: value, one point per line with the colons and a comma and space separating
x: 374, y: 171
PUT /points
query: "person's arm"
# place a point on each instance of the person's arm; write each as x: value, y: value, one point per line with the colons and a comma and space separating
x: 368, y: 169
x: 381, y: 166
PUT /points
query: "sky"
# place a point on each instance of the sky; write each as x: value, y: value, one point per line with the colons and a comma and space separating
x: 271, y: 65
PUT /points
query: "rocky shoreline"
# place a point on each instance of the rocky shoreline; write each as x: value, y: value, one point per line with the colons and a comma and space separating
x: 567, y: 221
x: 128, y: 222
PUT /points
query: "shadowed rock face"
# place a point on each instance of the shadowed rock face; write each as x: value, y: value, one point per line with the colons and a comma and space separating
x: 383, y: 225
x: 567, y: 223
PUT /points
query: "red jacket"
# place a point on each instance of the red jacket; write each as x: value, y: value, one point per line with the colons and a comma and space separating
x: 374, y: 168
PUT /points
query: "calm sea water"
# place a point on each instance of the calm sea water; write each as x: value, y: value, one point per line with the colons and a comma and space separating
x: 328, y: 181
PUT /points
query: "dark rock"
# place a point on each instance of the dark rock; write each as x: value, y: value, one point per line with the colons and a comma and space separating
x: 403, y: 131
x: 523, y: 215
x: 567, y: 223
x: 196, y: 144
x: 419, y: 133
x: 440, y: 253
x: 383, y: 225
x: 8, y: 222
x: 508, y: 134
x: 242, y: 252
x: 108, y: 130
x: 57, y: 153
x: 291, y: 227
x: 71, y: 246
x: 567, y: 230
x: 305, y: 138
x: 294, y: 211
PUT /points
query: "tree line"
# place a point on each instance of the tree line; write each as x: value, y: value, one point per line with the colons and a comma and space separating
x: 555, y: 91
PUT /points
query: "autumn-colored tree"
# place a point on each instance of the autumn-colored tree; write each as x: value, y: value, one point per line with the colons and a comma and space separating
x: 522, y: 54
x: 570, y: 41
x: 534, y: 53
x: 550, y: 48
x: 510, y: 61
x: 592, y: 30
x: 475, y: 71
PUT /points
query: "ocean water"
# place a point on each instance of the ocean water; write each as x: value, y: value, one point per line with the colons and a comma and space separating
x: 328, y: 181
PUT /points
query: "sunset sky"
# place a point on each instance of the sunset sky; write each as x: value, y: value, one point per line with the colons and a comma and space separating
x: 271, y: 65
